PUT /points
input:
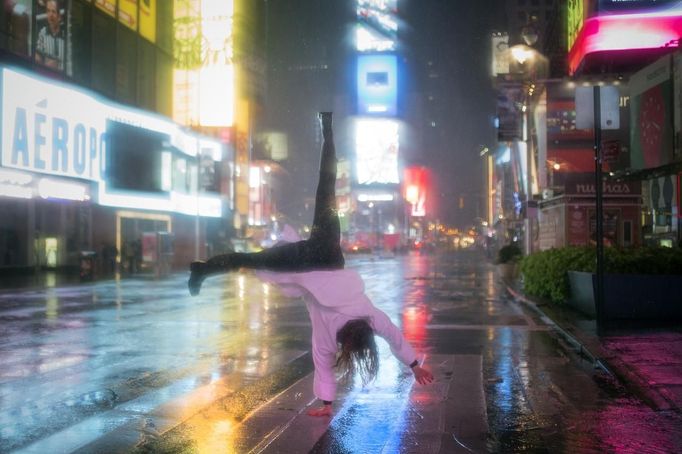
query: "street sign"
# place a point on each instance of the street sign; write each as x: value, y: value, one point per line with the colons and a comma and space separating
x: 610, y: 107
x: 610, y: 150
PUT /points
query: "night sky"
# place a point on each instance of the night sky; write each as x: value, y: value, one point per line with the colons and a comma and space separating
x: 446, y: 53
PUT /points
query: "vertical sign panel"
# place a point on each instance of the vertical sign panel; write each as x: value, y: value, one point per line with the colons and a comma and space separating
x: 127, y: 13
x: 376, y: 143
x: 108, y: 6
x: 148, y: 19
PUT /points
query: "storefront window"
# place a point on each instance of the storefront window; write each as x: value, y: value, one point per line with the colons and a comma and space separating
x: 181, y: 175
x: 134, y: 158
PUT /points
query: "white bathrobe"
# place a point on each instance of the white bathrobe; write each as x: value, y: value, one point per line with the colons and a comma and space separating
x: 333, y: 298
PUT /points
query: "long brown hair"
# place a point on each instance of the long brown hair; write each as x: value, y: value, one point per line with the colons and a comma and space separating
x: 358, y: 350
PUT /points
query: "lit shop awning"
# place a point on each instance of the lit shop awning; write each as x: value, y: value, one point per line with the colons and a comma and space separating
x: 621, y: 39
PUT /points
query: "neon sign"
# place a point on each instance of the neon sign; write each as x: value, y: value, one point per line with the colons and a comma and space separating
x: 625, y: 32
x: 52, y: 129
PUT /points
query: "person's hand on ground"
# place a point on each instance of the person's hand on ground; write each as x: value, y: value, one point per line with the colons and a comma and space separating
x: 323, y: 410
x: 423, y: 376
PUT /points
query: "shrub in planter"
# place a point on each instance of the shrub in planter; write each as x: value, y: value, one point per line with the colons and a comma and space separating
x: 545, y: 273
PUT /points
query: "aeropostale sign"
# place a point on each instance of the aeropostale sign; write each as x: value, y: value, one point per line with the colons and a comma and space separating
x: 50, y: 128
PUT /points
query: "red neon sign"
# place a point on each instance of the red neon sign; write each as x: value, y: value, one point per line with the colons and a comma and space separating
x: 625, y: 32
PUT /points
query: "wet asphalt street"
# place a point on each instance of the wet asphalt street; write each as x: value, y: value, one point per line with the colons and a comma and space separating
x: 140, y: 366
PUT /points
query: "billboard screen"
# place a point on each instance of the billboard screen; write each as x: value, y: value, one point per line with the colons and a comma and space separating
x: 416, y: 184
x: 204, y: 75
x: 377, y: 27
x: 127, y: 13
x: 51, y: 37
x: 651, y: 113
x: 376, y: 151
x: 377, y: 85
x: 53, y: 129
x: 576, y: 13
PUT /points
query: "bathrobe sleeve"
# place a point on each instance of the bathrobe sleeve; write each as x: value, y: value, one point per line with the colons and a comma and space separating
x: 384, y: 327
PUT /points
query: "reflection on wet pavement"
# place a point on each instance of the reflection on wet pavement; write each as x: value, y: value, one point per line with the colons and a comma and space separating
x: 114, y: 365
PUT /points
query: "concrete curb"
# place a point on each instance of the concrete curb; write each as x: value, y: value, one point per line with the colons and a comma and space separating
x: 580, y: 347
x: 611, y: 365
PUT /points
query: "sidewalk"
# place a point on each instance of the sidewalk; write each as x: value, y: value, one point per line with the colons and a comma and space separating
x: 647, y: 361
x: 43, y: 279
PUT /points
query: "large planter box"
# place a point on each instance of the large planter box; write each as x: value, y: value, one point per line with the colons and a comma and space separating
x: 629, y: 296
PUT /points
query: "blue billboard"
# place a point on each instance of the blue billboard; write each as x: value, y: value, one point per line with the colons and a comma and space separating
x: 377, y: 85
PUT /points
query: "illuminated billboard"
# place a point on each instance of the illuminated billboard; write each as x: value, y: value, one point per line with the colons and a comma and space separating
x: 377, y: 80
x: 416, y: 187
x: 204, y: 75
x: 628, y: 26
x: 377, y: 27
x: 51, y: 37
x: 500, y: 53
x: 52, y: 129
x: 148, y: 20
x: 576, y: 13
x: 49, y: 128
x: 376, y: 151
x: 108, y: 6
x: 651, y: 137
x: 127, y: 13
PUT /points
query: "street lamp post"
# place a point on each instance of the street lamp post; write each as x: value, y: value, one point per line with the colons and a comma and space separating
x: 599, y: 288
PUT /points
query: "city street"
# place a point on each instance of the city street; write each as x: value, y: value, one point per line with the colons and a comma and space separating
x: 138, y: 365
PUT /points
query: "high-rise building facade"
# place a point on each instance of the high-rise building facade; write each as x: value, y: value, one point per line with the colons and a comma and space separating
x: 91, y: 161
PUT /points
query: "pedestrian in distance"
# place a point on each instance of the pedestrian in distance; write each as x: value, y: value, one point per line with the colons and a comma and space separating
x: 344, y: 320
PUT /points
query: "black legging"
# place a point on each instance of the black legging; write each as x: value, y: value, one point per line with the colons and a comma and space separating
x: 322, y: 250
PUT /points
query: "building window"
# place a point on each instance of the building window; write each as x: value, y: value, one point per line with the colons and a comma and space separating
x: 164, y: 25
x: 163, y: 84
x: 126, y: 66
x: 81, y: 41
x: 146, y: 75
x: 103, y: 53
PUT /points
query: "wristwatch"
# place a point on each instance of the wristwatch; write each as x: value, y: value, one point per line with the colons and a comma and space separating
x: 414, y: 363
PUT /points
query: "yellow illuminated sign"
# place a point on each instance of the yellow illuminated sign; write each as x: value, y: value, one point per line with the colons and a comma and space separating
x: 576, y: 17
x: 204, y: 76
x: 127, y: 13
x: 108, y: 6
x: 148, y: 19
